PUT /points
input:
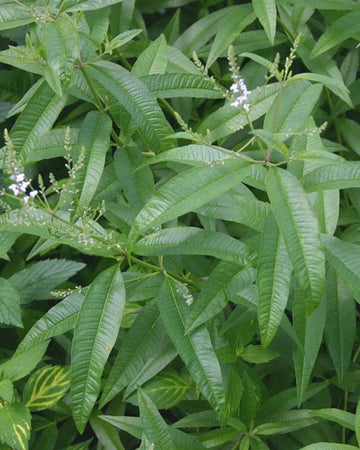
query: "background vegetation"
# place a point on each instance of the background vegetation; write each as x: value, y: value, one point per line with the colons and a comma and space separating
x: 180, y: 227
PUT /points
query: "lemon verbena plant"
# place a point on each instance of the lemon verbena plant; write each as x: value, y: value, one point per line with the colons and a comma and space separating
x: 179, y: 224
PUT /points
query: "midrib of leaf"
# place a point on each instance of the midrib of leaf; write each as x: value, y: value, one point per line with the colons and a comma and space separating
x: 191, y: 342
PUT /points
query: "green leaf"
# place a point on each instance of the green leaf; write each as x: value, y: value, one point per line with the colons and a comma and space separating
x: 7, y: 391
x: 344, y: 258
x: 273, y: 280
x: 152, y: 60
x: 10, y: 310
x: 62, y: 44
x: 340, y: 325
x: 300, y: 229
x: 13, y: 15
x: 194, y: 241
x: 171, y: 85
x: 200, y: 32
x: 88, y: 5
x: 195, y: 349
x: 123, y: 38
x: 337, y: 176
x: 343, y: 418
x: 237, y: 208
x: 265, y: 11
x: 46, y: 387
x: 340, y: 30
x: 255, y: 354
x: 224, y: 281
x: 269, y: 429
x: 15, y: 420
x: 23, y: 362
x: 350, y: 131
x: 38, y: 279
x: 291, y: 109
x: 121, y: 87
x: 22, y: 58
x: 165, y: 390
x: 328, y: 446
x: 186, y: 192
x: 106, y: 434
x: 310, y: 331
x: 94, y: 137
x: 137, y: 347
x: 95, y: 335
x: 36, y: 119
x: 58, y: 320
x: 155, y: 428
x: 229, y: 28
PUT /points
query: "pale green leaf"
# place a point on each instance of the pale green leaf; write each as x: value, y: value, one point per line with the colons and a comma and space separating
x: 106, y: 434
x: 95, y: 335
x: 88, y: 5
x: 51, y: 144
x: 336, y: 176
x: 13, y: 15
x: 300, y: 229
x: 343, y: 418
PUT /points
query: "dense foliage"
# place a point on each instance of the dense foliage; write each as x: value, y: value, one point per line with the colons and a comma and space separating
x: 180, y: 224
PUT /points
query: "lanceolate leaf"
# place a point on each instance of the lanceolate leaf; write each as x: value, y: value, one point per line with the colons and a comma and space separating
x: 300, y: 229
x: 180, y: 85
x: 155, y: 428
x: 88, y: 5
x: 186, y: 192
x: 58, y: 320
x: 14, y: 15
x: 94, y: 137
x: 340, y: 30
x: 36, y: 119
x: 121, y: 87
x: 195, y: 349
x: 139, y: 344
x: 153, y: 60
x: 224, y: 281
x: 337, y: 176
x: 95, y: 334
x: 266, y: 13
x: 344, y: 258
x: 310, y: 331
x: 340, y: 325
x: 195, y: 241
x: 273, y: 280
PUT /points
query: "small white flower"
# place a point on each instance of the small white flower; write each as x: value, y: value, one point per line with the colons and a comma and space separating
x: 23, y: 185
x: 19, y: 177
x: 26, y: 199
x: 14, y: 188
x: 33, y: 193
x: 239, y: 87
